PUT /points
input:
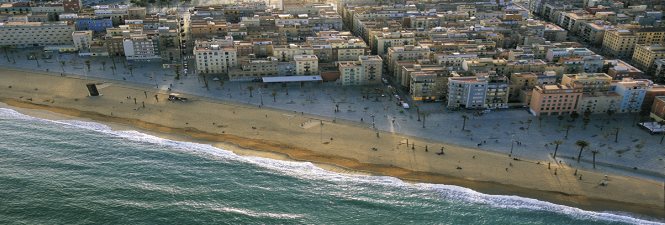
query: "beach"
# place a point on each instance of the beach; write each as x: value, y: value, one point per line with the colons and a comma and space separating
x: 346, y: 145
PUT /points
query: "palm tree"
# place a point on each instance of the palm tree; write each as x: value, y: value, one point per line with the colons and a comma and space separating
x: 582, y: 144
x: 62, y: 66
x: 274, y: 96
x: 104, y: 65
x: 87, y: 64
x: 560, y: 117
x: 465, y: 117
x: 574, y: 116
x: 567, y: 126
x: 417, y: 111
x: 131, y: 69
x: 250, y: 89
x: 425, y: 114
x: 594, y: 152
x: 5, y: 48
x: 556, y: 148
x: 662, y: 123
x: 176, y: 68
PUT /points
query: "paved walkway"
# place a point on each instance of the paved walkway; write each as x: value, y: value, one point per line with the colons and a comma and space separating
x: 499, y: 131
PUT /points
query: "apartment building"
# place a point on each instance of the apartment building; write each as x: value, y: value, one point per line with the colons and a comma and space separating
x: 306, y: 65
x: 254, y: 69
x: 659, y: 71
x: 588, y: 82
x: 288, y: 52
x: 618, y: 69
x: 554, y: 99
x: 403, y: 53
x: 141, y: 47
x: 632, y: 92
x: 658, y: 108
x: 645, y: 56
x: 599, y: 102
x: 82, y: 39
x: 467, y: 92
x: 382, y: 41
x: 619, y: 43
x: 215, y: 59
x: 30, y: 34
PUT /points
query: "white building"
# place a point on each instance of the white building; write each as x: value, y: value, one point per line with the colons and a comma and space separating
x: 467, y: 92
x: 29, y: 34
x: 215, y: 59
x: 306, y: 65
x: 367, y: 70
x: 140, y: 47
x: 82, y: 39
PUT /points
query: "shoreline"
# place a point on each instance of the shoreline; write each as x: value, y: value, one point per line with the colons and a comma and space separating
x: 650, y: 202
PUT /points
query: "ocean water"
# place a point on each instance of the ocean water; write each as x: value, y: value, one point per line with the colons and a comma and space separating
x: 74, y: 172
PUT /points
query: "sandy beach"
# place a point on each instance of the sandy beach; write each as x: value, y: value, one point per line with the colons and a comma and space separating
x: 345, y: 146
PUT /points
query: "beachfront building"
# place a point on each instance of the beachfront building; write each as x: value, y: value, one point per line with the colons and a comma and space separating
x: 82, y: 39
x: 31, y: 34
x: 599, y: 102
x: 658, y: 108
x: 467, y: 92
x: 141, y: 47
x: 646, y: 55
x: 632, y: 92
x: 306, y: 65
x: 554, y: 99
x: 589, y: 82
x: 497, y: 92
x: 366, y: 70
x: 288, y: 52
x: 404, y: 53
x: 214, y: 58
x: 253, y: 69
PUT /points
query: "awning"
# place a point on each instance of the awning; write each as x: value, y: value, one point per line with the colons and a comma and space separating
x: 291, y: 79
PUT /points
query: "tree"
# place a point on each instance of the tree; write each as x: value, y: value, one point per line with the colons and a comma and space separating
x: 425, y: 114
x: 417, y: 111
x: 104, y: 65
x: 560, y: 117
x: 87, y: 64
x: 610, y: 113
x: 5, y: 49
x: 594, y: 152
x: 62, y: 66
x: 34, y: 56
x: 274, y: 96
x: 464, y: 117
x: 176, y: 68
x: 131, y: 69
x: 567, y: 126
x: 582, y: 144
x: 250, y: 89
x: 556, y: 147
x: 662, y: 123
x: 574, y: 116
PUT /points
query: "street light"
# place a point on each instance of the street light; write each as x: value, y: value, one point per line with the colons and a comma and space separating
x: 512, y: 145
x: 373, y: 124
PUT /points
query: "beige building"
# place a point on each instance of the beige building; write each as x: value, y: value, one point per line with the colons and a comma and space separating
x: 215, y: 59
x: 646, y: 55
x: 554, y: 99
x: 384, y: 40
x: 30, y: 34
x: 366, y: 70
x: 589, y: 82
x: 599, y: 102
x: 619, y: 43
x: 408, y: 52
x: 306, y: 65
x: 253, y: 69
x: 288, y: 52
x: 82, y: 39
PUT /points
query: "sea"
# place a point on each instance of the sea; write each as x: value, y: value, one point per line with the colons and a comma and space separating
x: 77, y: 172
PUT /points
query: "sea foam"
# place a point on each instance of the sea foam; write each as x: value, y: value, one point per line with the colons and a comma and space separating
x: 306, y: 170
